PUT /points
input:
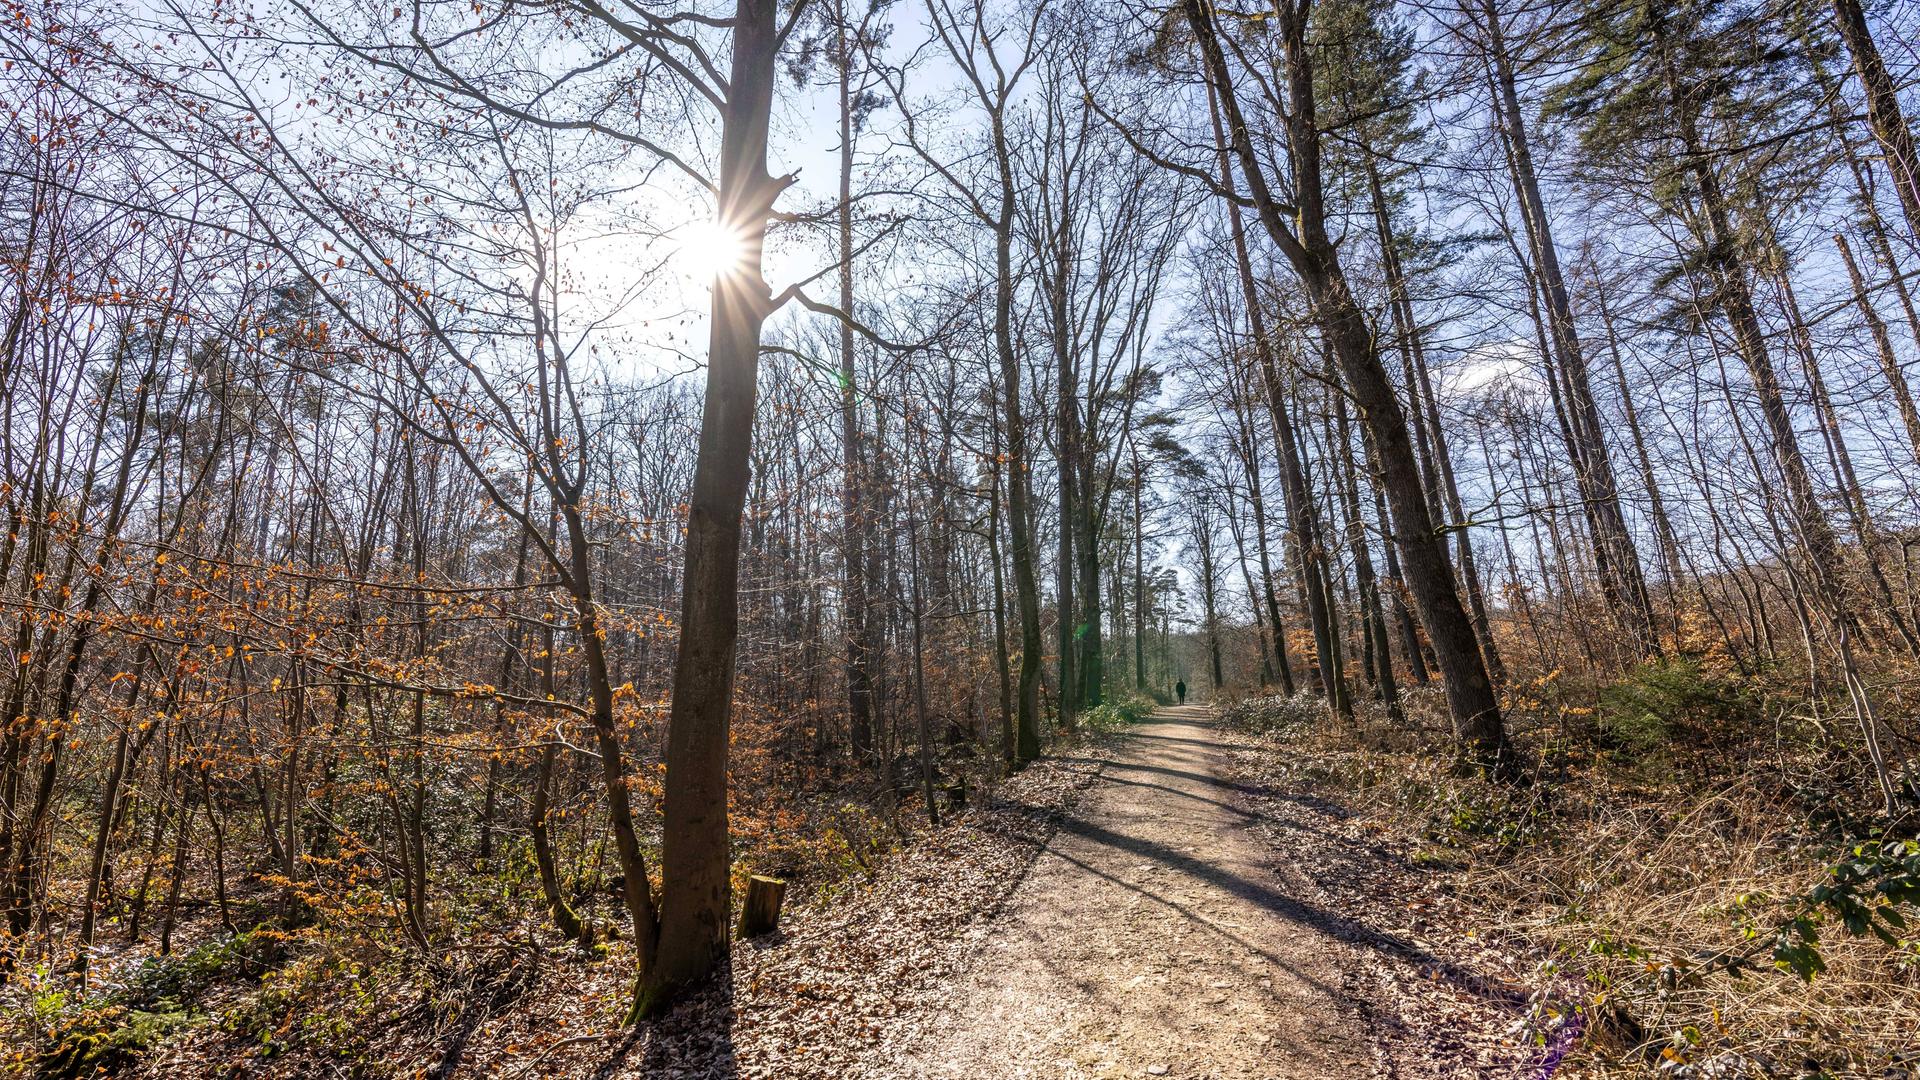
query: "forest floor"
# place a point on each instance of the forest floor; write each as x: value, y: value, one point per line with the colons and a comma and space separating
x: 1164, y: 900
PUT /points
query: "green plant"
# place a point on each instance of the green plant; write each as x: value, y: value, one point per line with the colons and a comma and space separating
x: 1673, y: 701
x: 1867, y: 892
x: 168, y: 982
x: 1117, y: 713
x: 105, y: 1040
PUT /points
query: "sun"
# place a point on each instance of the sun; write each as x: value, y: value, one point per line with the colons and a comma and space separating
x: 709, y: 250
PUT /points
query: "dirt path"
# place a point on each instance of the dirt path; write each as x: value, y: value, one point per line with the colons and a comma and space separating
x: 1153, y: 937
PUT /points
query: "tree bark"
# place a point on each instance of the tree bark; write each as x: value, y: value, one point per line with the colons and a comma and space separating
x: 1889, y: 126
x: 694, y: 855
x: 1478, y: 726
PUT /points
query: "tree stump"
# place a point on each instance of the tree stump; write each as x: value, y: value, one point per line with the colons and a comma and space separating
x: 761, y: 912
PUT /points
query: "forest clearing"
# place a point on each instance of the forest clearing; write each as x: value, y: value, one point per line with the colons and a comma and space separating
x: 959, y: 539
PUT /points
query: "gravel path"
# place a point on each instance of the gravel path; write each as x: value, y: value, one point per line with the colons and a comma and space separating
x: 1152, y: 938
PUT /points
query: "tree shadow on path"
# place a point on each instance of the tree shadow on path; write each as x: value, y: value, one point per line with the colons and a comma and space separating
x: 1288, y: 907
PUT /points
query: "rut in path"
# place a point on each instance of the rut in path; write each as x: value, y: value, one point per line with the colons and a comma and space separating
x: 1154, y: 937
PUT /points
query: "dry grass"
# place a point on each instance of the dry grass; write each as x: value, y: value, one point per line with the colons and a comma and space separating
x: 1627, y: 878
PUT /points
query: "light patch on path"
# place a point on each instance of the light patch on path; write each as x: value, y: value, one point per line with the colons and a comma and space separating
x: 1151, y: 938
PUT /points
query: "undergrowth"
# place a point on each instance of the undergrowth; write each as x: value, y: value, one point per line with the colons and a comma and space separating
x: 1117, y: 713
x: 1697, y: 870
x: 343, y: 990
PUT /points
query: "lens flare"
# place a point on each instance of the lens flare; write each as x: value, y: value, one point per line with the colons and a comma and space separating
x: 710, y: 250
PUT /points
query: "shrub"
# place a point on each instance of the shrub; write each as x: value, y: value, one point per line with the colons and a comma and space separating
x: 1117, y: 713
x: 169, y: 982
x: 1276, y: 713
x: 104, y: 1041
x: 1668, y: 702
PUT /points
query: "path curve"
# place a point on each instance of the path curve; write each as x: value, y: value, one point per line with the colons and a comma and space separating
x: 1152, y: 937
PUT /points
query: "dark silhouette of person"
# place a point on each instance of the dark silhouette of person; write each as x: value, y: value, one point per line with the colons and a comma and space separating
x: 1180, y: 691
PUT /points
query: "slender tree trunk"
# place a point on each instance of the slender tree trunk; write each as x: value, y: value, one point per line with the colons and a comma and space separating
x: 1890, y: 368
x: 1883, y: 109
x: 694, y: 855
x: 1302, y: 510
x: 917, y: 612
x: 1256, y: 498
x: 1019, y: 500
x: 564, y: 918
x: 1656, y: 504
x: 853, y: 528
x: 1373, y: 622
x: 1871, y: 541
x: 1396, y: 585
x: 1092, y: 667
x: 1442, y: 495
x: 1139, y: 575
x: 1614, y: 554
x: 1008, y: 740
x: 1478, y: 726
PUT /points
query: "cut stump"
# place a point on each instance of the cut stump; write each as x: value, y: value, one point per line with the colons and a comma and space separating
x: 761, y: 912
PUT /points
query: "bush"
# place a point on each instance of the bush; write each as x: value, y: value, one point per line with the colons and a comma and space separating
x: 1276, y: 713
x: 163, y: 983
x: 104, y: 1041
x: 1668, y: 702
x: 1117, y: 713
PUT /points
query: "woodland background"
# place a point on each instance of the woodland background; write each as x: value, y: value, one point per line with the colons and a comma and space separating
x: 1510, y: 401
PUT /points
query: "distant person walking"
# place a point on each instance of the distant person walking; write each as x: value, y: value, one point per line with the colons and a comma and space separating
x: 1180, y: 691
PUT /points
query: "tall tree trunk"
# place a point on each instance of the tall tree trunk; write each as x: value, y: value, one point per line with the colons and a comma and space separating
x: 1139, y: 574
x: 1872, y: 544
x: 1257, y: 500
x: 1890, y: 368
x: 1883, y: 109
x: 1656, y: 503
x: 1440, y: 490
x: 694, y: 854
x: 1067, y: 592
x: 1735, y: 295
x: 1008, y: 748
x: 1396, y: 585
x: 917, y: 614
x: 1019, y: 499
x: 1373, y: 622
x: 1615, y: 556
x: 1478, y: 726
x: 1090, y: 641
x: 853, y: 502
x: 563, y: 914
x: 1065, y: 603
x: 1303, y: 518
